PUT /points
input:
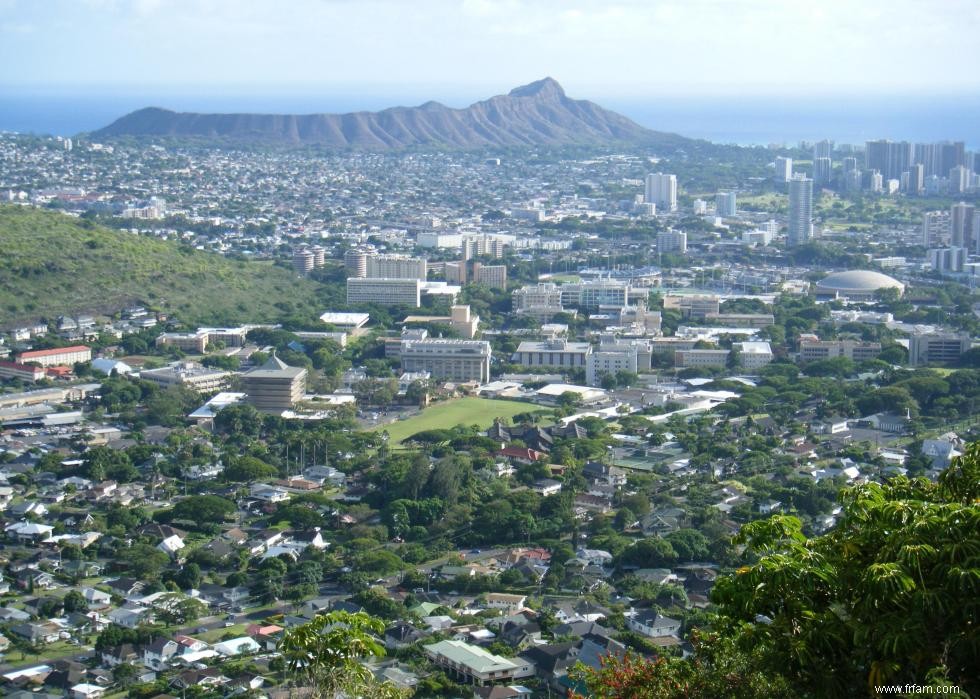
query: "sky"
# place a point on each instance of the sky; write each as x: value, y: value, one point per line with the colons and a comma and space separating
x: 463, y: 50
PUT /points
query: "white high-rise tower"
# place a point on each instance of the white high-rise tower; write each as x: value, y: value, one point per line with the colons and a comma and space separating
x: 661, y: 190
x: 800, y: 222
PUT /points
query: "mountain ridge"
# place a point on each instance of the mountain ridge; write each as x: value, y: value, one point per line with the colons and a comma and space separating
x: 536, y: 114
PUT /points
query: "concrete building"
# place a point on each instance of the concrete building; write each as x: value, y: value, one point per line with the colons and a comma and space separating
x: 538, y: 300
x: 725, y: 204
x: 800, y: 221
x: 889, y: 158
x: 937, y: 348
x: 553, y: 353
x: 494, y: 276
x: 454, y: 360
x: 386, y: 292
x: 195, y: 342
x: 753, y: 355
x: 947, y: 259
x: 961, y: 224
x: 661, y: 190
x: 916, y: 180
x: 812, y: 349
x: 21, y: 372
x: 345, y: 321
x: 784, y: 169
x: 701, y: 358
x: 672, y: 241
x: 822, y: 171
x: 590, y: 295
x: 856, y: 285
x: 935, y: 228
x: 609, y: 360
x: 304, y: 260
x: 695, y: 307
x: 199, y: 378
x: 355, y: 262
x: 62, y: 356
x: 396, y: 267
x: 274, y: 386
x: 740, y: 320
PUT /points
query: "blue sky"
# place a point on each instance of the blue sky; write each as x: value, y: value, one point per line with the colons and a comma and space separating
x: 469, y: 49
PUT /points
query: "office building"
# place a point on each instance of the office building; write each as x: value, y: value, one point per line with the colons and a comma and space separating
x: 717, y: 358
x: 756, y: 237
x: 552, y: 353
x: 672, y: 241
x: 784, y: 169
x: 935, y: 228
x: 274, y: 386
x: 947, y: 259
x: 451, y: 360
x: 800, y: 222
x: 934, y: 348
x: 385, y: 292
x: 396, y: 267
x: 188, y: 374
x: 345, y: 321
x: 609, y: 360
x: 813, y: 350
x: 695, y: 307
x: 725, y: 204
x: 891, y: 159
x: 538, y: 300
x: 822, y: 171
x: 62, y: 356
x: 590, y: 295
x: 493, y: 276
x: 753, y: 355
x: 355, y: 262
x: 740, y: 320
x: 661, y: 190
x: 961, y: 217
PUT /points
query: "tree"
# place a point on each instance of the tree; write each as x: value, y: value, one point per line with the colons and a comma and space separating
x: 247, y: 469
x: 327, y: 652
x: 143, y: 561
x: 889, y: 596
x: 75, y: 601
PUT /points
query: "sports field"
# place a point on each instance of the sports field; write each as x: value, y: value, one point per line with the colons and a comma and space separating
x: 462, y: 411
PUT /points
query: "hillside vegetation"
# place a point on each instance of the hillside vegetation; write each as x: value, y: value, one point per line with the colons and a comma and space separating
x: 53, y: 264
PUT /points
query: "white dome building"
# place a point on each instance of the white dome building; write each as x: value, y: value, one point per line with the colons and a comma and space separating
x: 856, y: 285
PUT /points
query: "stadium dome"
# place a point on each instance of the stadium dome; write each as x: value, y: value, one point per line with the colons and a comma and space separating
x: 857, y: 284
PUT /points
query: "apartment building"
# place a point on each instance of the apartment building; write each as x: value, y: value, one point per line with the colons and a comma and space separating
x: 395, y: 267
x: 553, y: 353
x: 386, y: 292
x: 454, y: 360
x: 812, y: 349
x: 494, y: 276
x: 62, y: 356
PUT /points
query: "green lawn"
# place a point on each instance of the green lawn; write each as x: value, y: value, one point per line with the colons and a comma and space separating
x: 462, y: 411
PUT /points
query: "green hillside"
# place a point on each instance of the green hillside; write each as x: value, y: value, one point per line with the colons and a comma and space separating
x: 52, y: 264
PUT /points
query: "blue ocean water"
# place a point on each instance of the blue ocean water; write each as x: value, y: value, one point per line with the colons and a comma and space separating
x: 743, y: 120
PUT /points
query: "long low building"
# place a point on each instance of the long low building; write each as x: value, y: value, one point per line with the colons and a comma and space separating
x: 385, y: 292
x: 23, y: 372
x: 701, y: 358
x: 812, y: 350
x: 60, y: 356
x: 476, y: 665
x: 195, y: 376
x: 556, y: 353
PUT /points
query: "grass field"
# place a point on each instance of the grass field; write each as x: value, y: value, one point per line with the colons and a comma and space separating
x: 462, y: 411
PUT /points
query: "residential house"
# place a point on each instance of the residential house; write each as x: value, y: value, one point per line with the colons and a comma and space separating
x: 158, y: 653
x: 652, y: 624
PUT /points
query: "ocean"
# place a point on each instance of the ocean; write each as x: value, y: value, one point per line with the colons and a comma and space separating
x: 743, y: 120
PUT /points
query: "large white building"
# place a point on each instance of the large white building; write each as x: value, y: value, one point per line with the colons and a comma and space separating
x: 800, y: 221
x: 537, y: 300
x: 725, y: 204
x: 929, y: 348
x: 592, y: 294
x: 609, y: 360
x: 661, y: 190
x: 454, y: 360
x: 753, y: 355
x: 784, y: 169
x: 961, y: 217
x: 386, y: 292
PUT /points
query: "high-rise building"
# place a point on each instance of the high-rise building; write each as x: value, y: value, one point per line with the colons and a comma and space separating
x: 853, y: 180
x: 849, y: 164
x: 672, y: 241
x: 959, y: 179
x: 822, y: 169
x: 961, y: 224
x: 876, y: 182
x: 914, y: 183
x: 355, y: 262
x: 396, y: 267
x: 784, y: 169
x: 725, y: 204
x: 661, y: 190
x: 891, y: 159
x: 274, y: 386
x: 494, y: 276
x: 800, y: 222
x: 304, y: 260
x: 700, y: 207
x: 935, y: 228
x: 823, y: 149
